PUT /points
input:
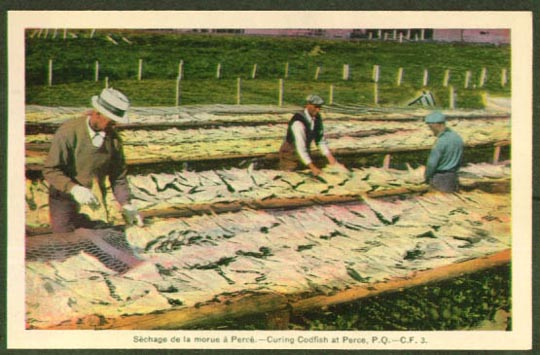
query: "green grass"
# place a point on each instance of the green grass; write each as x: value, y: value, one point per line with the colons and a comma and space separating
x: 74, y: 61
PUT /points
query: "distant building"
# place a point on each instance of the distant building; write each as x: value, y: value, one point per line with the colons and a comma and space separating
x: 495, y: 36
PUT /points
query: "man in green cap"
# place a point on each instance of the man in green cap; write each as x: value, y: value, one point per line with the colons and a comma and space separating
x: 446, y: 155
x: 305, y: 127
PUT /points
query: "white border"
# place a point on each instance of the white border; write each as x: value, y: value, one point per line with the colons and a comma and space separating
x: 520, y: 24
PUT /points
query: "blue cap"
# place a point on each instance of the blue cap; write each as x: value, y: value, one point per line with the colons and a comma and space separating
x: 435, y: 117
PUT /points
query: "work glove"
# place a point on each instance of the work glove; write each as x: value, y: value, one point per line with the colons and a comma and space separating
x: 131, y: 215
x: 84, y: 196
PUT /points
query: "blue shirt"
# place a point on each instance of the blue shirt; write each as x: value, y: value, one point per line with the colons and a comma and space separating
x: 446, y: 154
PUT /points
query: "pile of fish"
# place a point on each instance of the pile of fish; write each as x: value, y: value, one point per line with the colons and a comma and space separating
x: 301, y: 252
x: 195, y: 144
x: 186, y: 188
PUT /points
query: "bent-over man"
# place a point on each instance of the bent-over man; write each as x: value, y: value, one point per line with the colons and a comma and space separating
x: 304, y: 128
x: 84, y: 151
x: 445, y: 157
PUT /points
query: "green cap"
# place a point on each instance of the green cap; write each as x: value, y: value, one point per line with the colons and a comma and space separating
x: 435, y: 117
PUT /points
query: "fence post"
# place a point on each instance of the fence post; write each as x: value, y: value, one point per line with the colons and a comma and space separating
x: 65, y: 33
x: 139, y: 76
x: 181, y: 69
x: 238, y: 90
x: 399, y: 76
x: 408, y: 35
x: 96, y: 72
x: 394, y: 35
x: 483, y: 75
x: 218, y: 71
x: 280, y: 97
x: 92, y: 33
x: 426, y: 78
x: 370, y: 35
x: 446, y: 77
x: 375, y: 75
x: 386, y: 36
x: 379, y: 34
x: 178, y: 90
x: 422, y: 34
x: 504, y: 78
x: 286, y: 70
x: 50, y: 75
x: 331, y: 95
x: 467, y: 79
x: 106, y: 82
x: 452, y: 97
x: 254, y: 71
x: 376, y: 93
x: 317, y: 72
x: 345, y: 71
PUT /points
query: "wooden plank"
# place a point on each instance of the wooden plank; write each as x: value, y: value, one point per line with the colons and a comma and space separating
x: 415, y: 279
x: 226, y: 308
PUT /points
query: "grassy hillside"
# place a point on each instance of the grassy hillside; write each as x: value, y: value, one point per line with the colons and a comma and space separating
x: 119, y: 53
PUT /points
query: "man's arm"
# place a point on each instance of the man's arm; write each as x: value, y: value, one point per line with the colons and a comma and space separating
x: 56, y: 164
x: 433, y: 162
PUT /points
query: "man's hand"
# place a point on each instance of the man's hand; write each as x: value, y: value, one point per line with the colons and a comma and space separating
x: 131, y: 215
x: 84, y: 196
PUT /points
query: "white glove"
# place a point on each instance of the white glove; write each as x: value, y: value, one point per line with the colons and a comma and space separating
x: 84, y: 196
x: 131, y: 215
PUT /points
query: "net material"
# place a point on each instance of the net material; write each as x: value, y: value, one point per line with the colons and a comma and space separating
x: 109, y: 246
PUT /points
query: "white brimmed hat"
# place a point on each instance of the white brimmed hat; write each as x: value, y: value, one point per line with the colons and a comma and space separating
x: 113, y: 104
x: 314, y: 100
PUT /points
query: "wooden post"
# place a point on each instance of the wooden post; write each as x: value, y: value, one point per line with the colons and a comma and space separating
x: 280, y: 97
x: 426, y: 78
x: 370, y: 35
x: 92, y: 33
x: 106, y: 82
x: 422, y: 34
x: 178, y: 90
x: 375, y: 75
x: 504, y: 78
x: 96, y: 72
x: 446, y: 77
x: 254, y: 71
x: 496, y: 154
x: 218, y: 71
x: 345, y: 71
x: 331, y: 95
x: 50, y: 75
x: 379, y: 34
x: 416, y: 37
x: 386, y: 36
x: 238, y: 90
x: 55, y: 33
x: 286, y: 75
x: 452, y: 98
x: 376, y: 94
x: 467, y: 79
x: 399, y: 76
x: 139, y: 76
x: 317, y: 72
x: 394, y: 35
x: 46, y: 34
x: 483, y: 75
x: 386, y: 161
x: 181, y: 69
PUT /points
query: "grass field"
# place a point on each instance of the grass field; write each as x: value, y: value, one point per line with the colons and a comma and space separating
x: 74, y: 63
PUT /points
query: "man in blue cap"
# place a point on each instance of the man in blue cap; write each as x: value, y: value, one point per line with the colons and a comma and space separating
x: 446, y: 155
x: 305, y: 127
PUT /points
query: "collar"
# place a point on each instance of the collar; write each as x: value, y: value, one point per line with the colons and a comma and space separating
x: 93, y: 133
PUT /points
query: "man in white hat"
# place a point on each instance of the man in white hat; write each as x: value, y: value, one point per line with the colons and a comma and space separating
x: 446, y: 155
x: 85, y: 150
x: 305, y: 127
